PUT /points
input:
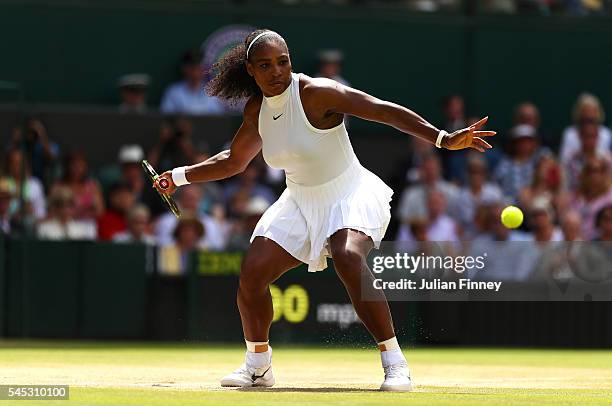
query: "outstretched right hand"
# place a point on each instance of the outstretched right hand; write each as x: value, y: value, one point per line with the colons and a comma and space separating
x: 171, y: 186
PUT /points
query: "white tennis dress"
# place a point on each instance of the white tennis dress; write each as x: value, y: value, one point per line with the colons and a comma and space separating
x: 327, y: 188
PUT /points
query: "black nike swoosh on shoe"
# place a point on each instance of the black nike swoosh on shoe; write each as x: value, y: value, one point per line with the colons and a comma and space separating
x: 253, y: 377
x: 277, y: 117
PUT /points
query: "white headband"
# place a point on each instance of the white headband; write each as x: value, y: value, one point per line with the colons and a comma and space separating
x: 255, y: 39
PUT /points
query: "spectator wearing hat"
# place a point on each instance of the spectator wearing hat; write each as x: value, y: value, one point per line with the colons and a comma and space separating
x: 130, y: 159
x: 587, y: 111
x: 61, y: 224
x: 131, y: 173
x: 5, y: 203
x: 515, y: 170
x: 188, y: 96
x: 138, y: 227
x: 133, y: 93
x: 173, y: 258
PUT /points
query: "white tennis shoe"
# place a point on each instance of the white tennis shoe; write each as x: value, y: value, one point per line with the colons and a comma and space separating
x: 247, y: 376
x: 397, y: 378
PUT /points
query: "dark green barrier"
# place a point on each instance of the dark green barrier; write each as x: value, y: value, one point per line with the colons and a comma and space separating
x: 113, y: 290
x: 75, y: 289
x: 410, y: 58
x: 44, y: 282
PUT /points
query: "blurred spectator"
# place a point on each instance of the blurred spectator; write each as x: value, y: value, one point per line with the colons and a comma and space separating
x: 528, y: 113
x: 455, y: 163
x: 248, y: 182
x: 515, y: 171
x: 508, y: 254
x: 33, y: 193
x: 603, y: 222
x: 188, y: 199
x: 541, y: 219
x: 113, y: 220
x: 61, y: 224
x: 588, y: 134
x: 453, y: 109
x: 174, y: 257
x: 138, y: 227
x: 587, y: 111
x: 440, y: 227
x: 133, y: 92
x: 547, y: 184
x: 174, y: 146
x: 498, y: 6
x: 132, y: 174
x: 5, y: 203
x: 595, y: 192
x: 330, y: 65
x: 89, y: 202
x: 574, y: 258
x: 188, y: 96
x: 243, y: 228
x: 477, y: 192
x: 212, y: 192
x: 413, y: 202
x: 571, y: 224
x: 42, y: 153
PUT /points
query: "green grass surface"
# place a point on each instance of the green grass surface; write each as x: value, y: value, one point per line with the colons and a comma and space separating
x: 175, y: 374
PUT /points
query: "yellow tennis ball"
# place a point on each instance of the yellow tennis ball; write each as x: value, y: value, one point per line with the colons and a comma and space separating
x: 512, y: 217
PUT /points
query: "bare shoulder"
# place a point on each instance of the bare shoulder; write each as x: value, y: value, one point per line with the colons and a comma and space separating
x: 251, y: 109
x: 317, y: 87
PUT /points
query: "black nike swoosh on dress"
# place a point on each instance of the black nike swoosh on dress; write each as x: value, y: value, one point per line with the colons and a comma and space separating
x: 277, y: 117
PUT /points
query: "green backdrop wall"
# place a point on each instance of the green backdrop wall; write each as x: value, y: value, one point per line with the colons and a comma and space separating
x: 73, y: 52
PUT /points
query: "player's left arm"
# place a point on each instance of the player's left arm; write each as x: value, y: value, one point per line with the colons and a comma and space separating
x: 346, y: 100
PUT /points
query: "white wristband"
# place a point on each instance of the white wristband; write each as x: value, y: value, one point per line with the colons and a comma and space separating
x: 441, y: 136
x: 178, y: 176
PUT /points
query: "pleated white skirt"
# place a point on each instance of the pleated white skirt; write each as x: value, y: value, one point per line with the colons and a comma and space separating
x: 304, y: 217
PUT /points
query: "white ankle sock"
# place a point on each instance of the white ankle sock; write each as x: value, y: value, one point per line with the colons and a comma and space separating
x: 258, y: 359
x: 392, y: 357
x: 390, y: 352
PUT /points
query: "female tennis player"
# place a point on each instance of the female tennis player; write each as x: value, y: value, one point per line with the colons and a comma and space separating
x: 332, y: 205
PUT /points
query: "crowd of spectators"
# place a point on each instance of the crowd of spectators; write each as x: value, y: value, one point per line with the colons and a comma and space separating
x: 439, y: 195
x: 452, y: 197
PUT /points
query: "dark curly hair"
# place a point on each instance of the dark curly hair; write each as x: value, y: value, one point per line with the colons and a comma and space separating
x: 232, y: 82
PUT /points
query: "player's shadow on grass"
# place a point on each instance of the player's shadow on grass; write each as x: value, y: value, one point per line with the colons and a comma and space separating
x: 313, y: 390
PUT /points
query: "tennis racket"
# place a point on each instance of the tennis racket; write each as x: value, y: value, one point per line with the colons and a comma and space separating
x: 164, y: 184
